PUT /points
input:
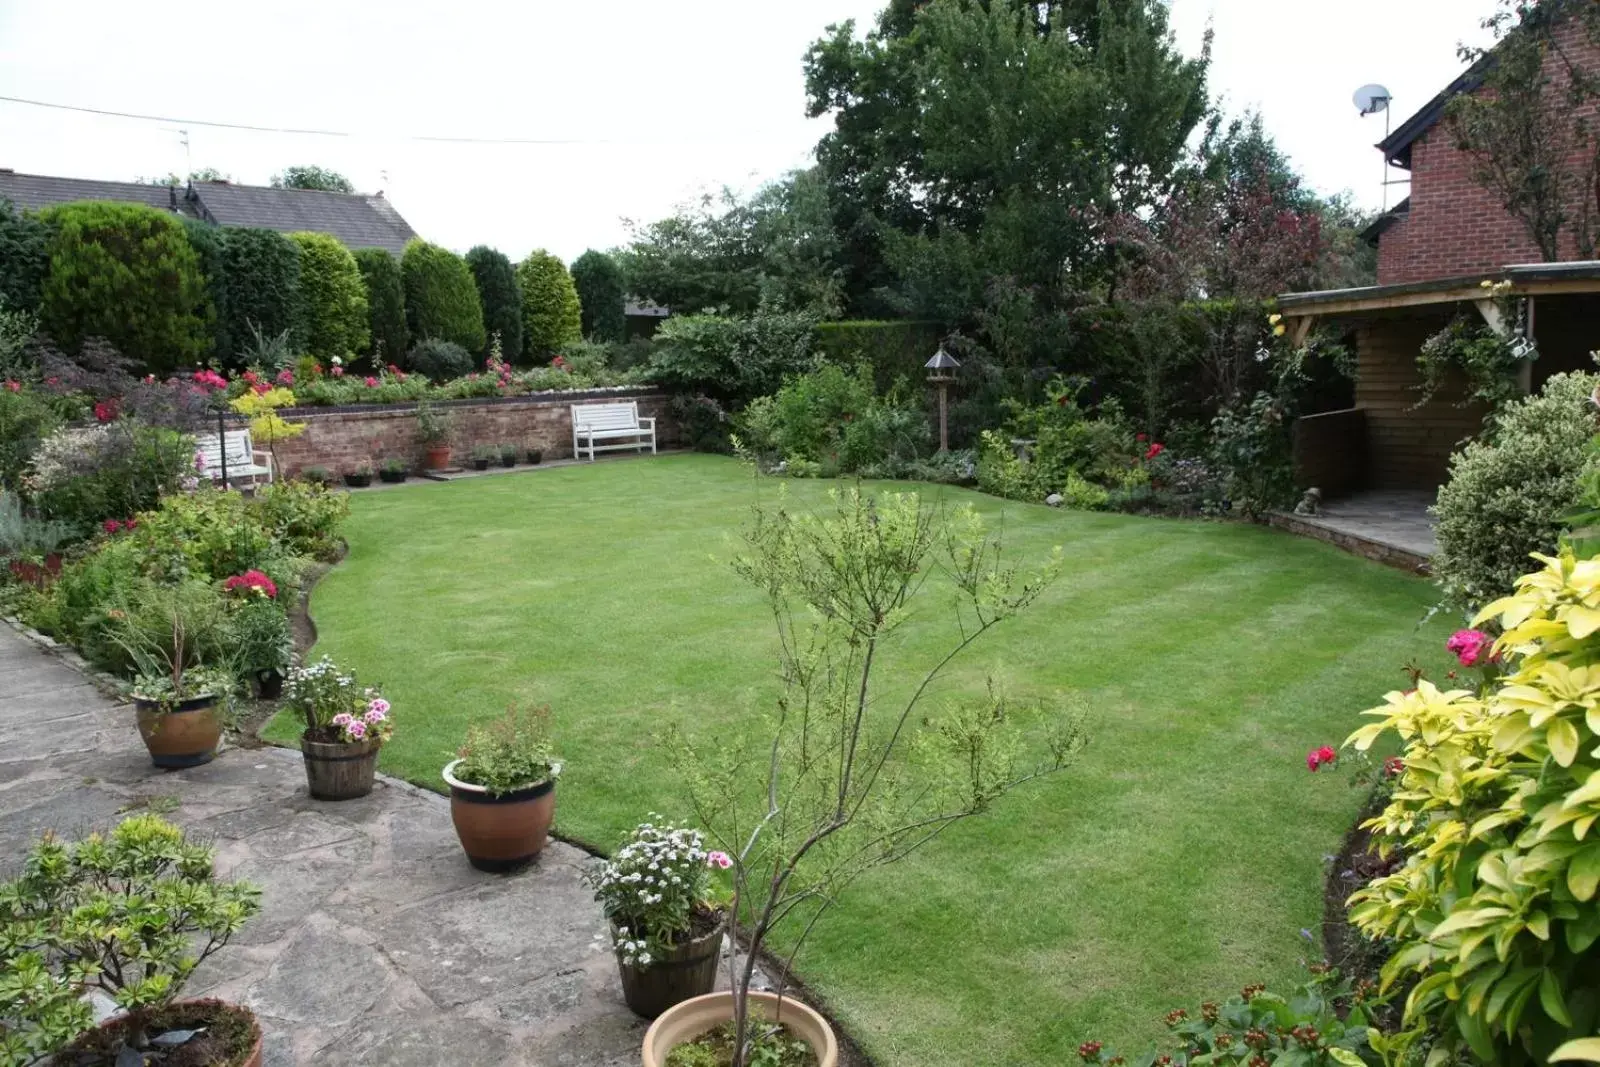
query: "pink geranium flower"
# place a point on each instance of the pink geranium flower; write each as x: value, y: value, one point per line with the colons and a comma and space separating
x: 344, y: 718
x: 719, y: 859
x: 356, y: 729
x: 372, y: 383
x: 1469, y: 646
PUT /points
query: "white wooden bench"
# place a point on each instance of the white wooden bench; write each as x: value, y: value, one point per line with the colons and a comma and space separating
x: 609, y: 428
x: 246, y: 463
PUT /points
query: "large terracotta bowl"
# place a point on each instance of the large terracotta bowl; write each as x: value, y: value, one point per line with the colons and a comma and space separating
x: 687, y: 1021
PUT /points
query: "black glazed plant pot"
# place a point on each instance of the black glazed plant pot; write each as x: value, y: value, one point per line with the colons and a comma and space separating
x: 535, y: 455
x: 508, y: 461
x: 392, y: 477
x: 480, y: 464
x: 358, y: 481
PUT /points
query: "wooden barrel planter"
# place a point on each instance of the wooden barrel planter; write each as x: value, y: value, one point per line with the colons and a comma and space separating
x: 683, y: 972
x: 185, y: 735
x: 500, y: 833
x: 339, y: 770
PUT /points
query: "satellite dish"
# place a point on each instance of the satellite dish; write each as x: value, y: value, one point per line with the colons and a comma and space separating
x: 1371, y: 99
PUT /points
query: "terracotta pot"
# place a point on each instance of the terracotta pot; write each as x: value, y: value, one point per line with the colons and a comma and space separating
x: 438, y: 457
x: 500, y: 833
x: 687, y: 1021
x: 189, y: 1014
x: 339, y: 770
x: 681, y: 973
x: 185, y: 736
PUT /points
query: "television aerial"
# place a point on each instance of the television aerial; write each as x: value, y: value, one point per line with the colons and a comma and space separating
x: 1371, y: 99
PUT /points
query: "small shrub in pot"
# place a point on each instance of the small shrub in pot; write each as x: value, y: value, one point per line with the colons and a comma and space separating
x: 317, y: 475
x: 508, y: 455
x: 482, y: 456
x: 394, y: 470
x: 359, y: 476
x: 130, y: 914
x: 536, y: 456
x: 502, y: 789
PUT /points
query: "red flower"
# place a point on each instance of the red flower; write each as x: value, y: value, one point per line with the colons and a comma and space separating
x: 130, y: 524
x: 250, y: 377
x: 1155, y: 450
x: 252, y: 582
x: 338, y: 371
x: 261, y: 388
x: 209, y: 379
x: 285, y: 378
x: 111, y: 526
x: 559, y: 363
x: 1393, y: 767
x: 106, y: 410
x: 1317, y: 757
x: 1141, y: 437
x: 12, y: 385
x: 372, y: 383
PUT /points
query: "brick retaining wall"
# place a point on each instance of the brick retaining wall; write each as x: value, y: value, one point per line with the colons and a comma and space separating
x: 340, y: 438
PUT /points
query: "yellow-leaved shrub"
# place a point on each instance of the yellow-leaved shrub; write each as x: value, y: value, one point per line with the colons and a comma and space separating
x: 1494, y: 913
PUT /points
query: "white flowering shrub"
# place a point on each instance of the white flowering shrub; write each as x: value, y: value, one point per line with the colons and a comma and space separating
x: 653, y: 887
x: 1507, y: 494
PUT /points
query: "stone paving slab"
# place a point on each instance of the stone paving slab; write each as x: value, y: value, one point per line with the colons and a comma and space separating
x: 377, y: 944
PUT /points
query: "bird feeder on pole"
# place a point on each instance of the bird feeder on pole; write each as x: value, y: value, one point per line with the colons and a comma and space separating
x: 941, y: 372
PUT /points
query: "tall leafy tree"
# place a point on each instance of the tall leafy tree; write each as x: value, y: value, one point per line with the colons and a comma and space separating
x: 500, y: 296
x: 334, y: 298
x: 1531, y: 128
x: 441, y: 297
x: 551, y: 314
x: 125, y: 272
x: 983, y: 139
x: 599, y: 282
x: 312, y: 177
x: 386, y: 305
x: 208, y: 242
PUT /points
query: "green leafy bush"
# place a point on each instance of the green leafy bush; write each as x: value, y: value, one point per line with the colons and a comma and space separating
x: 500, y: 295
x: 894, y: 350
x: 386, y: 305
x: 208, y: 243
x: 1509, y: 491
x: 599, y: 283
x: 304, y: 517
x: 438, y: 360
x: 89, y: 475
x: 441, y: 297
x: 733, y: 360
x: 333, y: 296
x: 834, y: 418
x: 1082, y: 495
x: 131, y: 914
x: 551, y: 315
x: 127, y: 273
x: 1252, y: 453
x: 262, y: 271
x: 24, y: 257
x: 26, y: 420
x: 1494, y: 913
x: 260, y: 638
x: 1067, y: 440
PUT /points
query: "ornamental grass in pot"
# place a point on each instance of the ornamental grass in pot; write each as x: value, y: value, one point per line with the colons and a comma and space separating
x: 503, y: 789
x: 851, y: 772
x: 666, y: 910
x: 129, y: 914
x: 346, y: 724
x: 176, y: 637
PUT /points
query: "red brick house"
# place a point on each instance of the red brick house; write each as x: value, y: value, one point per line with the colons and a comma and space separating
x: 1434, y: 251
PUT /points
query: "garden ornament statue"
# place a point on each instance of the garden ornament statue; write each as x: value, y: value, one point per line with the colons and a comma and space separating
x: 1311, y: 503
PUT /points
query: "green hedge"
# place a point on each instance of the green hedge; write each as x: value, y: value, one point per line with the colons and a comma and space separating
x: 500, y: 296
x: 126, y: 272
x: 551, y: 314
x: 598, y: 281
x: 386, y: 305
x: 892, y: 349
x: 208, y: 243
x: 441, y: 297
x: 24, y: 257
x: 262, y: 268
x: 333, y: 295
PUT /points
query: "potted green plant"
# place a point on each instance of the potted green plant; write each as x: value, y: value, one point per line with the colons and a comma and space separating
x: 129, y: 914
x: 346, y: 725
x: 841, y: 792
x: 317, y: 476
x: 175, y: 638
x: 359, y: 476
x: 665, y: 909
x: 434, y: 431
x: 502, y: 789
x: 262, y: 639
x: 393, y: 470
x: 482, y: 456
x: 508, y: 455
x: 536, y: 456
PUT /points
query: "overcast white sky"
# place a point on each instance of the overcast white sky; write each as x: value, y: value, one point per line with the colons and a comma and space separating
x: 661, y: 98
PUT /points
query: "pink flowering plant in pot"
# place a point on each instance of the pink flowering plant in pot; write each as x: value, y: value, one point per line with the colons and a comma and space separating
x: 346, y: 724
x: 665, y: 897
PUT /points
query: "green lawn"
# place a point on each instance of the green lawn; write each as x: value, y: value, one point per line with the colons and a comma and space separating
x: 1177, y: 860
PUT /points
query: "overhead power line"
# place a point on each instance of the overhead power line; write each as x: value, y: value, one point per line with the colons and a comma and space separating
x: 294, y: 130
